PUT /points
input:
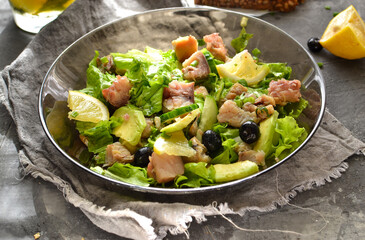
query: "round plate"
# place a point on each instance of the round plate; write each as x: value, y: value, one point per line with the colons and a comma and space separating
x: 157, y: 29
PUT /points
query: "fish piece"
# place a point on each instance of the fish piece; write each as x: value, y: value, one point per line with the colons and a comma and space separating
x: 249, y: 107
x: 118, y: 93
x: 241, y: 147
x: 164, y: 168
x: 257, y: 157
x: 284, y: 91
x: 263, y: 112
x: 148, y: 129
x: 216, y: 46
x: 229, y: 112
x: 201, y: 90
x: 178, y: 94
x: 199, y: 71
x: 200, y: 155
x: 265, y: 100
x: 108, y: 66
x: 236, y: 90
x: 184, y: 47
x: 116, y: 152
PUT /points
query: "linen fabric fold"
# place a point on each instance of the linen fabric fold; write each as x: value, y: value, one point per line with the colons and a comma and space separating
x: 148, y: 216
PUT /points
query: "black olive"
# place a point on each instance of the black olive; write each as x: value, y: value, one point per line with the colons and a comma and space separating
x: 141, y: 157
x: 249, y: 132
x: 314, y: 45
x: 212, y: 141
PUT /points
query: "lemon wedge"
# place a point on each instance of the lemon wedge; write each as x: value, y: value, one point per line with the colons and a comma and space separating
x: 243, y: 66
x: 86, y: 108
x: 345, y: 35
x: 176, y: 145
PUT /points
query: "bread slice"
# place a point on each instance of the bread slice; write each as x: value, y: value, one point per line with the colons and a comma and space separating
x: 271, y: 5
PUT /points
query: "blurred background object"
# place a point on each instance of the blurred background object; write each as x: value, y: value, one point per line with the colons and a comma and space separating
x: 271, y: 5
x: 32, y: 15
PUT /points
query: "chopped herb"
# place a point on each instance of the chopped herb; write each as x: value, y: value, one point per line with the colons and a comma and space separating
x: 249, y: 99
x: 104, y: 60
x: 74, y: 114
x: 261, y: 110
x: 327, y: 7
x: 244, y: 21
x: 201, y: 42
x: 165, y: 135
x: 243, y: 82
x: 335, y: 14
x: 194, y: 63
x: 320, y: 64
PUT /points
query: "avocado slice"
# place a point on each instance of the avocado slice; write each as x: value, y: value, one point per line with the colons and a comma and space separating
x: 132, y: 127
x: 234, y: 171
x: 267, y: 135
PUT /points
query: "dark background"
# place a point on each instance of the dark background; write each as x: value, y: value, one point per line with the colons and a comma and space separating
x: 31, y: 205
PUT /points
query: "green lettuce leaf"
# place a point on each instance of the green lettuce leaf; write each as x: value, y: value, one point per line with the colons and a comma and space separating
x: 98, y: 135
x: 149, y: 72
x: 240, y: 43
x: 97, y: 80
x: 126, y: 173
x: 228, y: 155
x: 196, y: 175
x: 292, y: 109
x: 290, y: 136
x: 277, y: 71
x: 225, y: 132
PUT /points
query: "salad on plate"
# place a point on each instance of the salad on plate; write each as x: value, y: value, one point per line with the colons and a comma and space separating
x: 189, y: 117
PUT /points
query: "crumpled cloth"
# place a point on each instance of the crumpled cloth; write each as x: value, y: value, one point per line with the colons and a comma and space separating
x: 145, y: 216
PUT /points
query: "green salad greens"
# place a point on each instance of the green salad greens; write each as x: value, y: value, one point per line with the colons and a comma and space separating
x: 187, y: 117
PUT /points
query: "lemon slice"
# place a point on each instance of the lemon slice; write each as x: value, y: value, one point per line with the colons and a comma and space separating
x: 242, y: 66
x: 181, y: 123
x: 176, y: 145
x: 345, y: 35
x: 86, y: 108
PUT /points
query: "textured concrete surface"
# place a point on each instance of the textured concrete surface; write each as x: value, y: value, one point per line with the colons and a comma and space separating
x: 30, y: 205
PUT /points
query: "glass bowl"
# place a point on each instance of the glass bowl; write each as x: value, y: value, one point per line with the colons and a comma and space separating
x: 157, y: 29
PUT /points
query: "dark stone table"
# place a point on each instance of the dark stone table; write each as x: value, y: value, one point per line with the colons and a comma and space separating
x: 29, y: 206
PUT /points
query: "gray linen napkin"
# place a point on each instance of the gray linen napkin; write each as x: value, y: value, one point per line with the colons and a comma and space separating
x: 148, y: 216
